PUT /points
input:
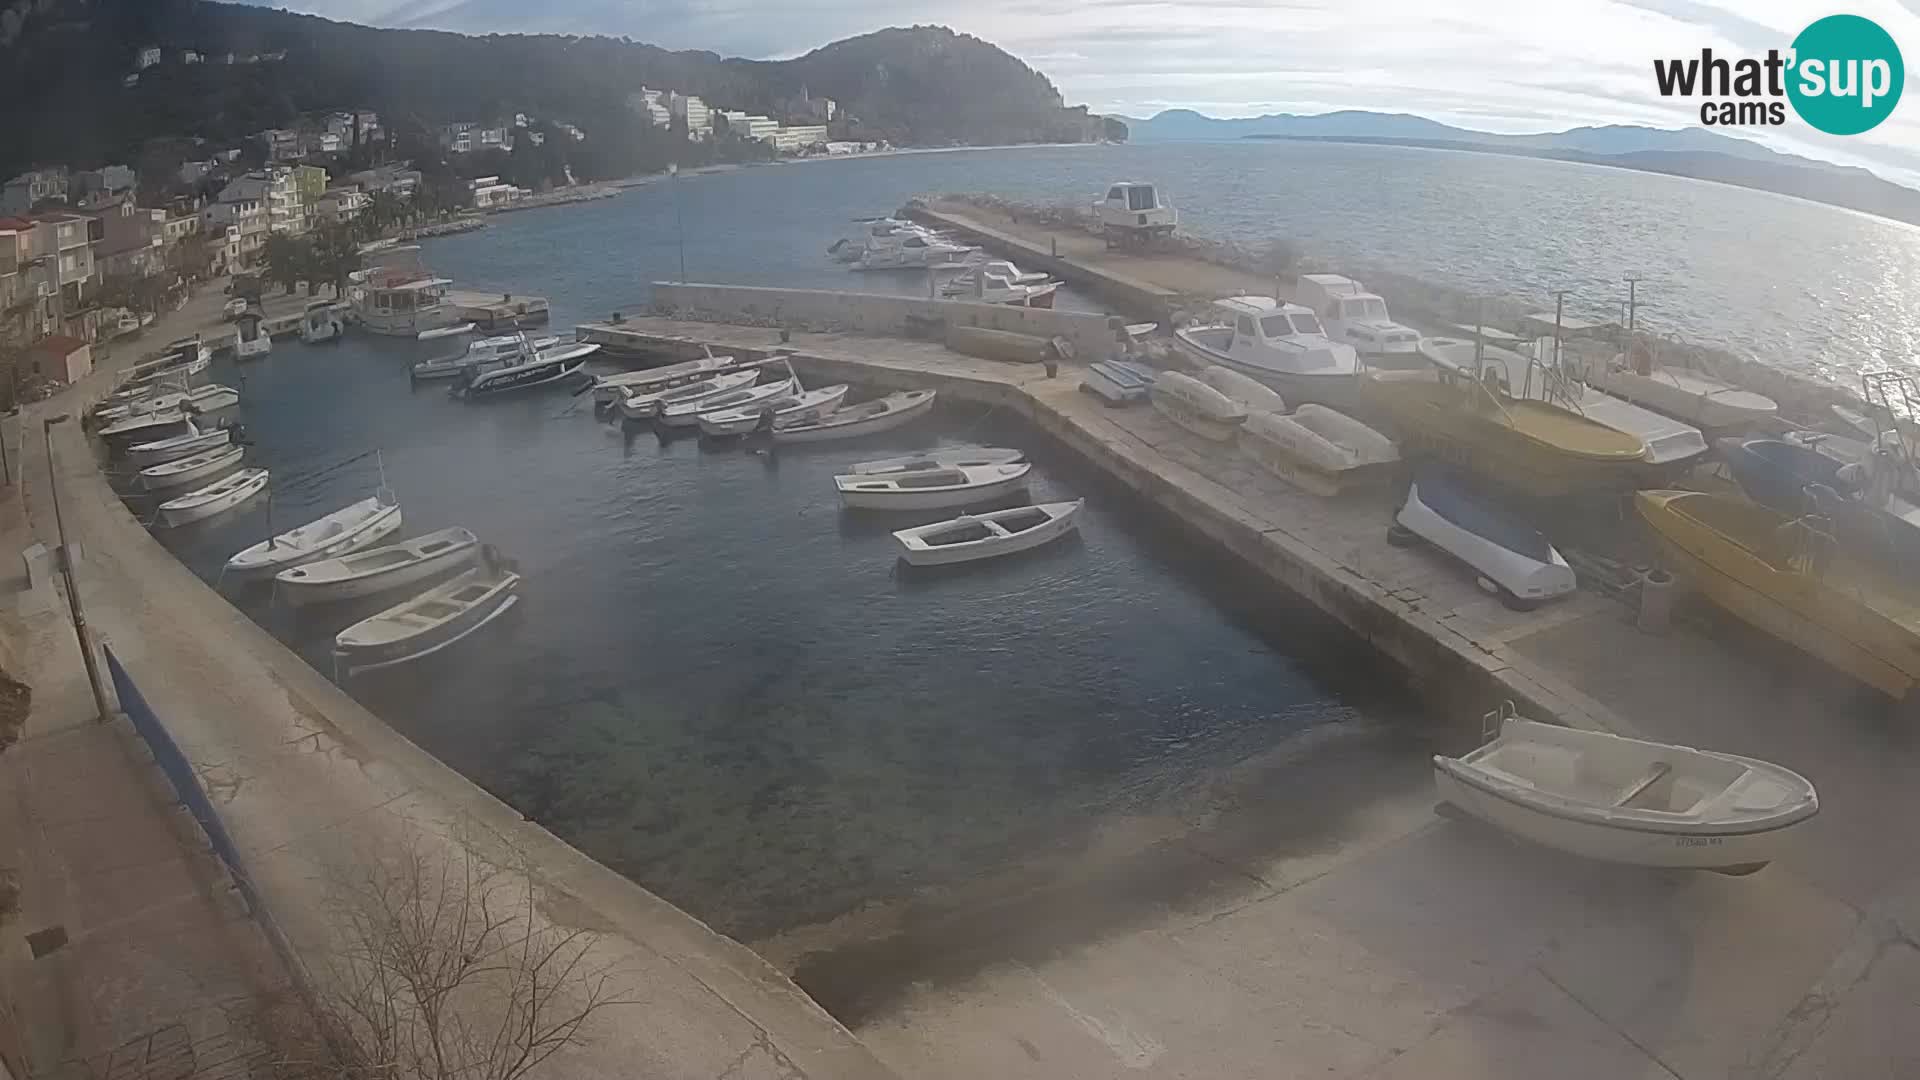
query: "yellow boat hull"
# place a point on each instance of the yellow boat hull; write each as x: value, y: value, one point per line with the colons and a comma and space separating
x: 1525, y: 446
x: 1737, y: 555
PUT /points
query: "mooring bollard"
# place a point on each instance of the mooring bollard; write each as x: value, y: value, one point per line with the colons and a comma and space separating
x: 1656, y: 601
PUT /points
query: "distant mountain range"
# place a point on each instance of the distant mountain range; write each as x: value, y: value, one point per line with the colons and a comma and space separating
x: 1691, y: 152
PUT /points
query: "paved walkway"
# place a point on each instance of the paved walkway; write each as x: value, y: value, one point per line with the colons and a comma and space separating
x: 1321, y: 921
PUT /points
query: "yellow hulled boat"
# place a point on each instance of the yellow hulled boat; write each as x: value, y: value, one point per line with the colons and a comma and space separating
x: 1529, y: 446
x: 1784, y: 576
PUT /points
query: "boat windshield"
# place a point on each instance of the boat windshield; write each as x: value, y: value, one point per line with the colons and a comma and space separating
x: 1277, y: 325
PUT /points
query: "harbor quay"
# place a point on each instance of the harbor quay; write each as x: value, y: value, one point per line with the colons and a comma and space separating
x: 1349, y: 930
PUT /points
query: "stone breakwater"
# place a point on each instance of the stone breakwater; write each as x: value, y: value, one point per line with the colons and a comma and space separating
x: 1421, y: 302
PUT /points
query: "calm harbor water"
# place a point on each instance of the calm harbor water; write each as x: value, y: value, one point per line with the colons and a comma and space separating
x: 719, y: 685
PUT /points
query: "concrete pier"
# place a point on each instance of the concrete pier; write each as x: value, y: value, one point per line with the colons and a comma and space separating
x: 1338, y: 927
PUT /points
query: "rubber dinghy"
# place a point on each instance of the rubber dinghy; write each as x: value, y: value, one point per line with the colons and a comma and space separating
x: 1623, y: 800
x: 1512, y: 557
x: 984, y: 536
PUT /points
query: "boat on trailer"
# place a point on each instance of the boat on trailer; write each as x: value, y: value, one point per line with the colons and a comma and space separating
x: 931, y: 489
x: 851, y: 422
x: 1608, y: 797
x: 437, y: 619
x: 378, y: 570
x: 970, y: 537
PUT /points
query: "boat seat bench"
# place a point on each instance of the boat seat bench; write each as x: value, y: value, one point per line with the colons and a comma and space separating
x: 1639, y: 787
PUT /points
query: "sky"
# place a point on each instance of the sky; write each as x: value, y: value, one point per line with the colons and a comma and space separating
x: 1492, y: 65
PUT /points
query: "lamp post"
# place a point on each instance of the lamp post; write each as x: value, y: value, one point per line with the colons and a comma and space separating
x: 66, y: 575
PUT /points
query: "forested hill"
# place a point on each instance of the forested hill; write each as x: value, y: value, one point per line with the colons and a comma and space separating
x: 63, y: 62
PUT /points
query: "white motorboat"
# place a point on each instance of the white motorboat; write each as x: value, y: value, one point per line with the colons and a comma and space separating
x: 437, y: 333
x: 1684, y: 394
x: 1196, y: 406
x: 398, y: 296
x: 932, y: 489
x: 251, y: 340
x: 349, y: 528
x: 1607, y: 797
x: 879, y: 231
x: 520, y: 373
x: 646, y: 404
x: 1514, y: 560
x: 152, y: 425
x: 687, y: 413
x: 984, y: 536
x: 907, y: 251
x: 799, y: 407
x: 1250, y: 394
x: 960, y: 457
x: 1535, y: 374
x: 187, y: 470
x: 1355, y: 316
x: 377, y: 570
x: 506, y: 348
x: 1118, y: 382
x: 142, y: 377
x: 998, y: 281
x: 216, y: 498
x: 436, y: 619
x: 1318, y: 449
x: 194, y: 441
x: 1282, y: 345
x: 611, y: 389
x: 853, y: 421
x: 320, y: 323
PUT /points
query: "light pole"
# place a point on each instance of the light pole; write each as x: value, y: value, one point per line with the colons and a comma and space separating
x: 66, y: 575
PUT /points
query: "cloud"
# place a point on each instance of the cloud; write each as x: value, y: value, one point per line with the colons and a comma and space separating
x: 1496, y: 64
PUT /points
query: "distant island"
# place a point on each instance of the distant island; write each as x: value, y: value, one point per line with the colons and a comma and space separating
x: 1689, y: 152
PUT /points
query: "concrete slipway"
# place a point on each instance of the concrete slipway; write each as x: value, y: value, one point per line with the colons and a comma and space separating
x: 1388, y: 942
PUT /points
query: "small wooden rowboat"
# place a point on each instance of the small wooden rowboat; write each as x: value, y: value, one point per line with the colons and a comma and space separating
x: 436, y: 619
x: 851, y: 422
x: 1626, y: 800
x: 953, y: 458
x: 376, y: 570
x: 1196, y: 406
x: 985, y: 536
x: 349, y: 528
x: 186, y: 470
x: 646, y: 404
x: 216, y: 498
x: 800, y: 407
x: 932, y: 489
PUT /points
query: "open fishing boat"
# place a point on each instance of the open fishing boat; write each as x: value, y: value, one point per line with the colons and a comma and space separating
x: 211, y: 397
x: 998, y: 281
x: 182, y: 471
x: 1282, y: 345
x: 377, y: 570
x: 687, y: 413
x: 611, y: 389
x: 1196, y: 406
x: 504, y: 349
x: 931, y: 489
x: 1250, y: 394
x: 984, y: 536
x: 1318, y: 449
x: 799, y: 407
x: 1512, y: 557
x: 1786, y: 575
x: 646, y: 404
x: 216, y: 498
x: 851, y: 422
x: 349, y: 528
x: 1603, y: 796
x: 148, y: 426
x: 1693, y: 396
x: 436, y: 619
x: 193, y: 441
x: 1531, y: 447
x: 958, y: 457
x: 1118, y: 382
x: 535, y: 367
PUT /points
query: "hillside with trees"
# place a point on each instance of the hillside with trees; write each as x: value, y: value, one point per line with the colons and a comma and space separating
x: 65, y: 64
